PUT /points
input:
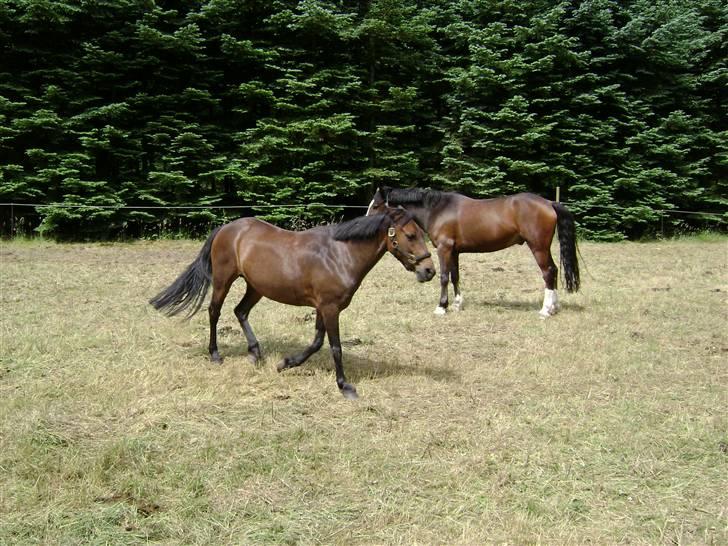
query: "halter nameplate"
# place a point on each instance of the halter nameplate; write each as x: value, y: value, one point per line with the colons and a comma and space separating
x: 391, y: 232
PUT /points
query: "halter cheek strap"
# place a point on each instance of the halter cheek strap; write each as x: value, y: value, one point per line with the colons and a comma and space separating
x: 409, y: 256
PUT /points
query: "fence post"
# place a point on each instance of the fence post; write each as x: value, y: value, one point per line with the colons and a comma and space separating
x: 558, y: 193
x: 12, y: 221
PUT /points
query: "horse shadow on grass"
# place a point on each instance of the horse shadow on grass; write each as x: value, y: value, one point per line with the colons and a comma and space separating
x: 356, y: 365
x: 524, y: 305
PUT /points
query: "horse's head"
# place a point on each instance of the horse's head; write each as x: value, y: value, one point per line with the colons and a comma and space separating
x: 379, y: 201
x: 406, y: 242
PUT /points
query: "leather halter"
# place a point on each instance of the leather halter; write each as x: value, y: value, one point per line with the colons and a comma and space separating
x: 411, y: 258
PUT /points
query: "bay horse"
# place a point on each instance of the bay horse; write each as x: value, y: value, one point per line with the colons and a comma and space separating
x: 320, y: 267
x: 457, y: 224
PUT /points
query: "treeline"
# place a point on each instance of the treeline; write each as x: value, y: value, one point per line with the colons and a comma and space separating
x: 134, y: 103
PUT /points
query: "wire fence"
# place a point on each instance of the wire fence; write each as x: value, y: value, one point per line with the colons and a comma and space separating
x: 183, y: 207
x: 23, y: 219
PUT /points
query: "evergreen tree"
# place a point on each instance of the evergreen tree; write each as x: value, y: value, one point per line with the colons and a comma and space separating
x: 107, y: 107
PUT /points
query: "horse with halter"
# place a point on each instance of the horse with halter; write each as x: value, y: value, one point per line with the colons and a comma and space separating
x: 320, y: 267
x: 457, y: 224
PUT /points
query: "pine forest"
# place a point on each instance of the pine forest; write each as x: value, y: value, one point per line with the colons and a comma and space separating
x: 128, y: 115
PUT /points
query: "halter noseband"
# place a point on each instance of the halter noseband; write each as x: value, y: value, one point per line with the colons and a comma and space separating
x: 411, y: 258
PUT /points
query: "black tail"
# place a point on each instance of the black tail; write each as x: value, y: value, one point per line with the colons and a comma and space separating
x: 567, y: 244
x: 189, y: 290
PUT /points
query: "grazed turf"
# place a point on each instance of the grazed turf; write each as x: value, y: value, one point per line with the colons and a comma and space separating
x: 605, y: 424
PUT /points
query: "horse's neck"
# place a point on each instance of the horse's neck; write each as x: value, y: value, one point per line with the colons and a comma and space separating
x: 365, y: 255
x: 421, y: 214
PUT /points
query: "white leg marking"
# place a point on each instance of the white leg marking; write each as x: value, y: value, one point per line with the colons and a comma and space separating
x: 440, y: 311
x: 457, y: 304
x: 550, y: 303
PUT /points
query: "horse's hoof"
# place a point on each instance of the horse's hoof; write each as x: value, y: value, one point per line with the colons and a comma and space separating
x: 282, y: 365
x: 349, y: 392
x: 215, y: 358
x: 458, y: 304
x: 545, y: 313
x: 439, y: 311
x: 253, y: 358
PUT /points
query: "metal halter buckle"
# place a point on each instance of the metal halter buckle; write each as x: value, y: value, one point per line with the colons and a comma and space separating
x: 391, y: 233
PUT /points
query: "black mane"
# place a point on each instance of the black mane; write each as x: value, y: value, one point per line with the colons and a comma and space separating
x: 400, y: 196
x: 366, y: 227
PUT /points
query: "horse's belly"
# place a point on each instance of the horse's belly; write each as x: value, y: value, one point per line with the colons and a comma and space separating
x: 489, y: 244
x: 274, y: 277
x: 278, y: 286
x: 289, y: 299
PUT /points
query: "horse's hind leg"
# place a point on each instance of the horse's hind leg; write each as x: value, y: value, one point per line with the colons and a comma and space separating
x: 221, y: 283
x: 303, y: 356
x: 242, y: 310
x: 549, y: 272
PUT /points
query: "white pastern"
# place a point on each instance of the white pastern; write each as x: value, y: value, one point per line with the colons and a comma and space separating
x: 550, y: 303
x: 440, y: 311
x: 457, y: 304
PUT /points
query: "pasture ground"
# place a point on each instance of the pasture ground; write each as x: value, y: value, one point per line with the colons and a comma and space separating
x: 605, y: 424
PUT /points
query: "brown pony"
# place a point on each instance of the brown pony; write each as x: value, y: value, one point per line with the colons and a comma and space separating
x: 320, y: 267
x: 456, y: 224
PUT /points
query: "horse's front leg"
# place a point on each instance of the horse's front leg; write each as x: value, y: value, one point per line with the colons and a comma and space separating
x: 331, y: 323
x: 444, y: 255
x: 457, y: 304
x: 318, y: 340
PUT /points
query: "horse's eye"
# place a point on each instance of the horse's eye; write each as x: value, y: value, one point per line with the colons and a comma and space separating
x: 411, y: 236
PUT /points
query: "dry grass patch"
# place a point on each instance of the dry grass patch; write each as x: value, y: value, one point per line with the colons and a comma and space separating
x: 604, y: 424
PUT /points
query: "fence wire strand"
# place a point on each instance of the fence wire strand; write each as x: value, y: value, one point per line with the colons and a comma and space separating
x: 714, y: 215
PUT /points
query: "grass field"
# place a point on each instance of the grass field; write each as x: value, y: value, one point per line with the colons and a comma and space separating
x: 605, y: 424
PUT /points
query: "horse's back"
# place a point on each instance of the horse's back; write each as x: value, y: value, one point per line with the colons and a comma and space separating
x: 248, y: 224
x: 242, y: 233
x: 489, y: 225
x: 278, y: 263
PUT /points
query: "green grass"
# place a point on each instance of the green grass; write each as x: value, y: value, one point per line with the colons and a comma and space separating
x: 605, y: 424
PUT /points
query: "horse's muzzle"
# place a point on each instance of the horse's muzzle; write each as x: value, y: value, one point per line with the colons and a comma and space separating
x: 425, y: 274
